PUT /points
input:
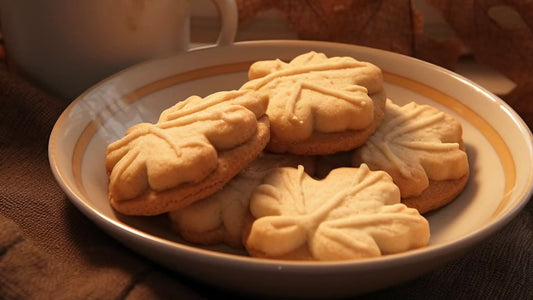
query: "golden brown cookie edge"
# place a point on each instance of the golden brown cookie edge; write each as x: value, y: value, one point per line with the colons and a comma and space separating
x: 329, y: 143
x: 230, y: 163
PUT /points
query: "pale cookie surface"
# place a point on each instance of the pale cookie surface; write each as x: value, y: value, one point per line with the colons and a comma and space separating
x: 196, y: 146
x: 319, y: 105
x: 220, y: 218
x: 353, y: 213
x: 419, y: 146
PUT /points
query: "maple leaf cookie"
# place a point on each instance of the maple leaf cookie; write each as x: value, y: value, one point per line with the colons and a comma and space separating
x: 319, y: 105
x: 195, y: 147
x: 422, y: 149
x: 353, y: 213
x: 220, y: 218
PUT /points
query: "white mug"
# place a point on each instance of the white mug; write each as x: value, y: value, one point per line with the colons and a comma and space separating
x: 66, y: 46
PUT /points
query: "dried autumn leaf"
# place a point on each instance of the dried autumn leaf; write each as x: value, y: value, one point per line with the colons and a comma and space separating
x: 353, y: 213
x: 499, y: 33
x: 385, y: 24
x: 378, y: 24
x: 495, y: 32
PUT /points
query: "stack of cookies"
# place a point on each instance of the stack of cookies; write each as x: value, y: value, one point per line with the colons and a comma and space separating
x: 308, y: 160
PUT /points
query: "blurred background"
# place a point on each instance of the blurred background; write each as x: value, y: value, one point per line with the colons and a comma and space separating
x: 487, y: 41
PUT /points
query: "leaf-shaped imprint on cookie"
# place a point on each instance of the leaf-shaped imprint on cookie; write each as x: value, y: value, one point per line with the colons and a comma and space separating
x: 151, y: 157
x: 352, y: 213
x: 417, y: 142
x: 182, y: 147
x: 316, y: 93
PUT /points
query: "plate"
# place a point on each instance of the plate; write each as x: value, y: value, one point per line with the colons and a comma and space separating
x: 498, y: 143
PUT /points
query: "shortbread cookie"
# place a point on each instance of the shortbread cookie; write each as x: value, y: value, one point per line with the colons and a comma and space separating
x: 319, y: 105
x: 422, y: 149
x: 220, y: 217
x: 195, y: 148
x: 353, y: 213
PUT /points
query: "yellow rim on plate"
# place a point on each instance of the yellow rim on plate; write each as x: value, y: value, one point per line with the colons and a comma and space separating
x: 494, y: 138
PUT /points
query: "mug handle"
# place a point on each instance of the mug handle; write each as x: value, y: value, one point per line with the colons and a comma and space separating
x: 229, y: 19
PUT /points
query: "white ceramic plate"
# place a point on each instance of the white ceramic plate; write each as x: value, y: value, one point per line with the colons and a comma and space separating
x: 498, y: 142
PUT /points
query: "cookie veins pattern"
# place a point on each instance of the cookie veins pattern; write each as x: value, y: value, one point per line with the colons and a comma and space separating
x: 415, y: 143
x: 353, y: 213
x: 182, y: 146
x: 316, y: 93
